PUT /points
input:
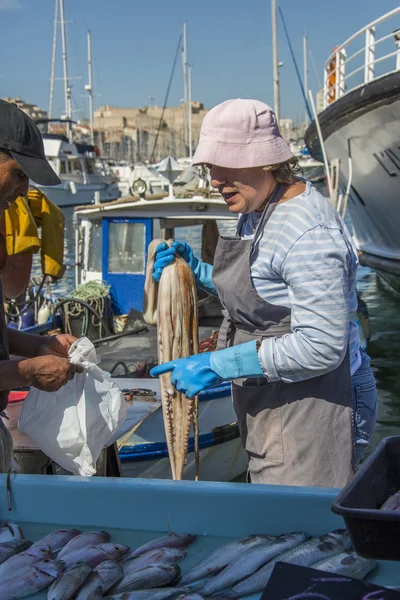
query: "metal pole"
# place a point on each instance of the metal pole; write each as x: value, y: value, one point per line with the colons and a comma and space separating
x: 185, y: 89
x: 89, y: 87
x: 67, y: 90
x: 190, y: 110
x: 321, y: 141
x: 275, y: 60
x: 305, y: 82
x: 53, y: 60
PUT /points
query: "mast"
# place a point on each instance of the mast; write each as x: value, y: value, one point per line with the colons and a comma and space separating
x: 190, y: 110
x: 89, y: 86
x: 185, y: 89
x: 53, y: 60
x: 275, y: 61
x: 305, y: 80
x: 67, y: 89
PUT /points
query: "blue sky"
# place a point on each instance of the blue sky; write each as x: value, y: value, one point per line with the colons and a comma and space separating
x: 229, y: 48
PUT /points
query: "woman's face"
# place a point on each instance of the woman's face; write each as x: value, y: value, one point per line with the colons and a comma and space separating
x: 244, y: 190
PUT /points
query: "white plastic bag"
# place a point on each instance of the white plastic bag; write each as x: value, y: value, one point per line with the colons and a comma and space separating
x: 73, y: 425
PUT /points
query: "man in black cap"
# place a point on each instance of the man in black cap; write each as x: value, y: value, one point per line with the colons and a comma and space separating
x: 46, y: 365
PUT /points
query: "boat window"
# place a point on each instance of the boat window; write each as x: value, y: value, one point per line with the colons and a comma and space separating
x: 75, y: 167
x: 126, y: 247
x: 63, y: 167
x: 90, y: 166
x: 94, y: 247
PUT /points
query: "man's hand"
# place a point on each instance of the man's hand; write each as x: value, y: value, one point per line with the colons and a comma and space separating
x: 57, y: 345
x: 48, y: 373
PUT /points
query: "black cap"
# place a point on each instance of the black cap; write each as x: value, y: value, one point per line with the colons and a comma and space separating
x: 21, y: 137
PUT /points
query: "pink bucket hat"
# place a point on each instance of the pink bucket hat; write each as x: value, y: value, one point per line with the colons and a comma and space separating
x: 240, y: 134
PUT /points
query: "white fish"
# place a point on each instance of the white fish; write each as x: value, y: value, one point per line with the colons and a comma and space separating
x: 88, y: 538
x: 152, y: 594
x: 10, y: 531
x: 57, y: 539
x: 173, y: 540
x: 149, y: 577
x: 223, y: 556
x: 8, y: 549
x: 94, y: 555
x: 23, y: 559
x: 164, y: 556
x: 105, y: 575
x: 69, y: 582
x: 346, y: 563
x: 31, y: 579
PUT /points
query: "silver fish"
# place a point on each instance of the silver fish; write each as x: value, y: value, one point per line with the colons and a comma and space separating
x: 69, y: 582
x: 8, y: 549
x: 31, y: 579
x: 94, y: 555
x: 223, y: 556
x: 10, y: 531
x: 305, y: 555
x: 190, y: 596
x: 96, y: 594
x: 23, y: 559
x: 164, y: 556
x: 105, y: 575
x: 88, y: 538
x: 173, y: 540
x: 392, y: 503
x: 153, y: 594
x: 149, y: 577
x: 346, y: 563
x: 250, y: 561
x: 57, y: 539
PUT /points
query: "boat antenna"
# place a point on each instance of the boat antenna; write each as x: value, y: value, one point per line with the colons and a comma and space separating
x: 166, y: 98
x: 67, y: 89
x: 275, y: 63
x: 53, y: 60
x: 295, y: 66
x: 89, y: 86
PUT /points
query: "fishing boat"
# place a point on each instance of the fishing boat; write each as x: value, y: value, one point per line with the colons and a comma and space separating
x: 82, y: 181
x: 360, y: 132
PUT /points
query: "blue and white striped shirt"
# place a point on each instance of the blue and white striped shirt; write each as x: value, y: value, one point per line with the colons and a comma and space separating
x: 306, y: 260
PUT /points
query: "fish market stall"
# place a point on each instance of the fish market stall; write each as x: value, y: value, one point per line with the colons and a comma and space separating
x: 134, y: 512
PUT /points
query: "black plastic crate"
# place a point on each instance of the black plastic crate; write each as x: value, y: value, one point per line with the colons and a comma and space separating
x: 375, y: 533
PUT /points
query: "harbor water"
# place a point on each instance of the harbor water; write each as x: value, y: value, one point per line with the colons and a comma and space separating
x: 384, y: 314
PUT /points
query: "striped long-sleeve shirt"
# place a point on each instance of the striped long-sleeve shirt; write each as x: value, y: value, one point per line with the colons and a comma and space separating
x: 306, y: 261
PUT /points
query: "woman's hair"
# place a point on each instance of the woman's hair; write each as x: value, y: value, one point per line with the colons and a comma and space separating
x: 284, y: 172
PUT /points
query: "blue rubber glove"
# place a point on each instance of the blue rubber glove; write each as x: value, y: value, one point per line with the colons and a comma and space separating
x: 202, y: 271
x: 196, y: 373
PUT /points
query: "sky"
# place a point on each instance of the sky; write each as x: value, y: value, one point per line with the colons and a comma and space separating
x: 134, y: 43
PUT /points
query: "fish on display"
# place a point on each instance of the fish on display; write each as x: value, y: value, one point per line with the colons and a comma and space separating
x: 164, y: 556
x: 222, y: 556
x: 148, y: 577
x: 96, y: 594
x: 31, y: 579
x: 8, y: 549
x: 191, y: 596
x: 23, y: 559
x: 306, y: 554
x: 10, y: 531
x: 105, y: 576
x: 347, y: 563
x: 69, y: 582
x: 173, y: 540
x: 57, y: 539
x: 250, y: 561
x: 392, y: 503
x: 89, y: 538
x: 94, y: 555
x: 165, y: 593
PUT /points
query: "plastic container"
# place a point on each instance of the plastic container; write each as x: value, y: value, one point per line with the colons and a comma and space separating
x: 375, y: 533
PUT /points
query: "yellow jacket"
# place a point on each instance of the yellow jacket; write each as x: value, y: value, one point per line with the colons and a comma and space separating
x: 22, y: 220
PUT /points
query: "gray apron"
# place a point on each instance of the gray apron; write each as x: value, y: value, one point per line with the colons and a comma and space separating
x: 294, y: 433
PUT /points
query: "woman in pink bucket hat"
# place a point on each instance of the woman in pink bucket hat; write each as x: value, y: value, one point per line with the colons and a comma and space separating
x: 302, y: 386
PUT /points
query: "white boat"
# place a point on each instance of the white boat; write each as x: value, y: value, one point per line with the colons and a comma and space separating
x: 80, y: 176
x: 360, y: 127
x: 138, y: 179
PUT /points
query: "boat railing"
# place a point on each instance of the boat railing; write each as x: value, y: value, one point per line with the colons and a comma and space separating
x: 364, y: 57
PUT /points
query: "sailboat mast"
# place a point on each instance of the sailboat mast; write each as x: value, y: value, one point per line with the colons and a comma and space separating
x: 53, y: 60
x: 275, y: 61
x: 89, y: 86
x: 185, y: 89
x: 190, y: 110
x: 305, y: 80
x: 67, y: 90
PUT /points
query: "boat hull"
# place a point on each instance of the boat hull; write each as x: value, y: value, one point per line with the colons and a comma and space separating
x: 364, y: 126
x: 63, y: 196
